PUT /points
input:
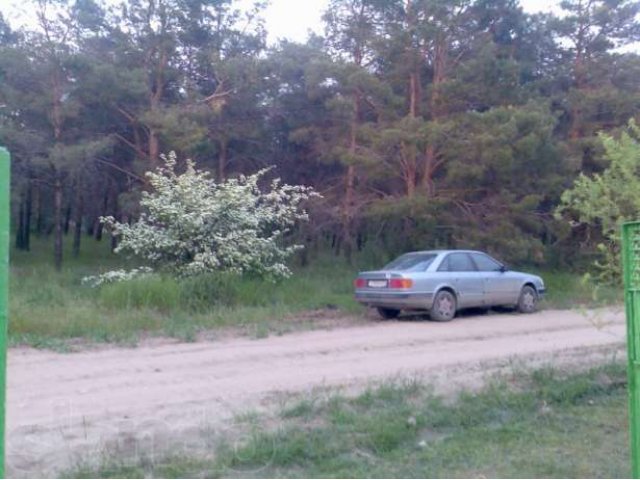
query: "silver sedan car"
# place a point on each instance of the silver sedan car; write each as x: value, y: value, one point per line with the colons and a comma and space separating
x: 445, y: 281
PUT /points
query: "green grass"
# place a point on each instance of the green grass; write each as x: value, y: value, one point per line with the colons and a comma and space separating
x: 543, y: 424
x: 571, y: 290
x: 53, y: 310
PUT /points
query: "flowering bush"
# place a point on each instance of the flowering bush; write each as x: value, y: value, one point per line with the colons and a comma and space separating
x: 192, y: 225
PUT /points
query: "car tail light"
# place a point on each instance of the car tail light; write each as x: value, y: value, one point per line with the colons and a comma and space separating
x: 359, y: 283
x: 400, y: 283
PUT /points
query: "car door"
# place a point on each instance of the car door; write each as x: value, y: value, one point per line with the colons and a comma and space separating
x: 499, y: 286
x: 460, y: 271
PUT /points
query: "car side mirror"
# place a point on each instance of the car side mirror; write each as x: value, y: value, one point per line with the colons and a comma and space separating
x: 503, y: 268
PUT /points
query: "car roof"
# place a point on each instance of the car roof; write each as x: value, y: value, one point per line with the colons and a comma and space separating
x: 438, y: 252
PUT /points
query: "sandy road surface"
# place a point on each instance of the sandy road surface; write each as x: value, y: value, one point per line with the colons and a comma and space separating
x: 60, y: 405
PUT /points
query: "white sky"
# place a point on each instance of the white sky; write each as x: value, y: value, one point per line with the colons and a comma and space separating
x: 293, y: 19
x: 290, y: 19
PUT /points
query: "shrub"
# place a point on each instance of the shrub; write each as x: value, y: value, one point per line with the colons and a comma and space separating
x: 192, y: 225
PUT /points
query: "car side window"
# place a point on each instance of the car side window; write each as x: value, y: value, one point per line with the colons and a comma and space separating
x: 444, y: 265
x: 485, y: 263
x: 457, y: 262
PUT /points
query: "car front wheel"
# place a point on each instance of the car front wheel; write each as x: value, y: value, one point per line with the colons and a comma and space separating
x: 528, y: 301
x: 444, y: 306
x: 388, y: 313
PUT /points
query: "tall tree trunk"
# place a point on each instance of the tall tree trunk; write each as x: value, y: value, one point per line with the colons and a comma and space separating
x: 154, y: 147
x: 347, y: 220
x: 415, y: 83
x: 77, y: 228
x: 99, y: 227
x: 409, y: 155
x: 114, y: 239
x: 439, y: 76
x: 337, y: 245
x: 67, y: 218
x: 57, y: 219
x: 436, y: 112
x: 579, y: 74
x: 222, y: 160
x: 23, y: 229
x: 77, y: 237
x: 348, y: 206
x: 27, y: 216
x: 96, y: 231
x: 414, y: 93
x: 575, y: 129
x: 411, y: 183
x: 116, y: 213
x: 39, y: 207
x: 57, y: 123
x: 20, y: 226
x: 154, y: 104
x: 153, y: 140
x: 430, y: 167
x: 408, y: 163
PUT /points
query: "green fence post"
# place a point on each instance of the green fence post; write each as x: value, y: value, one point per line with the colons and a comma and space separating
x: 5, y: 182
x: 631, y: 269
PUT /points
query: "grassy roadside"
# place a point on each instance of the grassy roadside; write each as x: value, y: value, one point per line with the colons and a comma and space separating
x: 542, y: 424
x: 54, y: 310
x: 570, y: 290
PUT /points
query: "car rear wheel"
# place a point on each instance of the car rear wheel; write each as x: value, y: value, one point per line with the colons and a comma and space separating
x: 388, y: 313
x: 528, y: 300
x: 444, y: 306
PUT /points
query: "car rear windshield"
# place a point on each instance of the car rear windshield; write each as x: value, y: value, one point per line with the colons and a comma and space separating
x: 415, y: 262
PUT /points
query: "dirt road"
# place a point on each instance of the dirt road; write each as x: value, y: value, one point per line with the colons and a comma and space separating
x: 64, y: 405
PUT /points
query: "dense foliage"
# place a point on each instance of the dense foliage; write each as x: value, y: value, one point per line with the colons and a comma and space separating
x: 606, y: 200
x: 421, y: 122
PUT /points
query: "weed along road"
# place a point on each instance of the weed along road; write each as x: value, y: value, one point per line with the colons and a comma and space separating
x: 61, y: 407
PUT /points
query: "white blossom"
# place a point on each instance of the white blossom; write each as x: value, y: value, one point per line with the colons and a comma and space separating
x: 116, y: 276
x: 192, y: 225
